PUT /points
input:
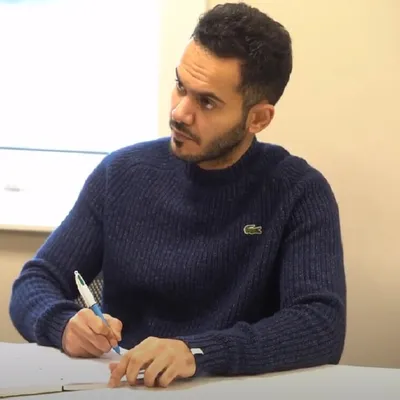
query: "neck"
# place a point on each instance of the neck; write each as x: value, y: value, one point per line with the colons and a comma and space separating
x: 243, y: 166
x: 229, y: 159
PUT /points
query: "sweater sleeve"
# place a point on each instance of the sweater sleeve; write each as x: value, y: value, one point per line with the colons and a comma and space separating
x: 42, y: 295
x: 309, y: 328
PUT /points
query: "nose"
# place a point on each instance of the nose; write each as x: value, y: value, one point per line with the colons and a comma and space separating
x: 183, y: 112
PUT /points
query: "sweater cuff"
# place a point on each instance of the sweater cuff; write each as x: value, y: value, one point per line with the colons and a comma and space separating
x: 216, y: 354
x: 51, y: 324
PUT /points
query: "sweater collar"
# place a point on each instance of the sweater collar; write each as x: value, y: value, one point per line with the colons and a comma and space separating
x: 225, y: 175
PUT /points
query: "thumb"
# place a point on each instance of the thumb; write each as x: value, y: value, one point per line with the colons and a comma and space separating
x: 115, y: 325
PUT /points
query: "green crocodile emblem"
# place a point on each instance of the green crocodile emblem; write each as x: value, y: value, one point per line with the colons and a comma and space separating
x: 252, y: 230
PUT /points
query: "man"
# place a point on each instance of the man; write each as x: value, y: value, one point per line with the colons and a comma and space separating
x: 209, y: 240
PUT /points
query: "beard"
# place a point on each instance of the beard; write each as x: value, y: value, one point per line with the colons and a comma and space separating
x: 218, y: 149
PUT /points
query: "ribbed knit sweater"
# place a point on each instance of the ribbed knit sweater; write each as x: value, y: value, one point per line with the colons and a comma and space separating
x: 180, y: 260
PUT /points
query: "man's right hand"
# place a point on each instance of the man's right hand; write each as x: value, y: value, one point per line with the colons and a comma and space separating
x: 86, y: 335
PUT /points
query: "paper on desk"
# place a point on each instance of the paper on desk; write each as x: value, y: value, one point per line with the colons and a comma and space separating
x: 35, y: 369
x: 94, y: 375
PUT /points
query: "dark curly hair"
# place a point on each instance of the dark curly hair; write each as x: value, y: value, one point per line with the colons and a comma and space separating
x: 237, y: 30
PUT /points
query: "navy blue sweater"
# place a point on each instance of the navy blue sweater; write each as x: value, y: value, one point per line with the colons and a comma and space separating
x: 245, y: 262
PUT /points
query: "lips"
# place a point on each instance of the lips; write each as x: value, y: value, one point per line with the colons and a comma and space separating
x: 180, y: 135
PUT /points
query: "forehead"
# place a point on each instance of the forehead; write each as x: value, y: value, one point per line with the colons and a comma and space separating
x: 203, y: 71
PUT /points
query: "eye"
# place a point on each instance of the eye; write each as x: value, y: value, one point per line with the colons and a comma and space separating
x: 206, y: 103
x: 179, y: 86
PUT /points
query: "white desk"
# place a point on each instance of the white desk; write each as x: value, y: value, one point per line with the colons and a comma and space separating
x: 328, y: 382
x: 325, y: 383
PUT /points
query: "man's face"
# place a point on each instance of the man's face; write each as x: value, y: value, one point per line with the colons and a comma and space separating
x: 206, y: 120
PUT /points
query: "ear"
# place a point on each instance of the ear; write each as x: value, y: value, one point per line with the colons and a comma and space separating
x: 259, y: 117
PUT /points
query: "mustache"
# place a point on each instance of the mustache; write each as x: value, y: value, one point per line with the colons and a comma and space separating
x: 179, y: 126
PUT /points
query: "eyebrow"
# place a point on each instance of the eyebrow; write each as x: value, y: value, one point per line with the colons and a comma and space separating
x: 210, y: 95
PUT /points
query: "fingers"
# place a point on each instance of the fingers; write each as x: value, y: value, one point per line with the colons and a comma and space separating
x: 129, y: 366
x: 115, y: 325
x: 162, y: 359
x: 96, y: 324
x: 86, y: 335
x: 118, y: 371
x: 136, y: 364
x: 112, y: 366
x: 156, y: 368
x: 88, y: 349
x: 101, y: 329
x: 169, y: 375
x: 93, y: 343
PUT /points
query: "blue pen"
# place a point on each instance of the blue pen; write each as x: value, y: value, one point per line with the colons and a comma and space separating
x: 91, y: 302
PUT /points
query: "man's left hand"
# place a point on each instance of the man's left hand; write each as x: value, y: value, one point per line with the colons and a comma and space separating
x: 163, y: 360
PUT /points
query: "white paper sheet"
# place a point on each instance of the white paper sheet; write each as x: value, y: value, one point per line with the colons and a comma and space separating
x: 31, y: 369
